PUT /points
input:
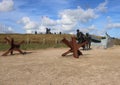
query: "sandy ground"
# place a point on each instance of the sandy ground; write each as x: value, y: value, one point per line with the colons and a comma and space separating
x: 47, y: 67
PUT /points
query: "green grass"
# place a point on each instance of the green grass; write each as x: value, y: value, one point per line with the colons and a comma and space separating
x: 4, y: 47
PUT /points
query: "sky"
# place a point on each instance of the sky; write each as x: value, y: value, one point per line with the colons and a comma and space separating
x: 66, y: 16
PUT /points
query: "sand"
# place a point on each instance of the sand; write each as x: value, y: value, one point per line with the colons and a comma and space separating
x: 47, y: 67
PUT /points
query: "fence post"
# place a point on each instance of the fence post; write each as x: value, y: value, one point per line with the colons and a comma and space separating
x: 28, y: 41
x: 56, y: 41
x: 43, y: 41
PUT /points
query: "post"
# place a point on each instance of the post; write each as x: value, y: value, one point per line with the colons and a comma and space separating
x: 55, y: 41
x: 43, y: 41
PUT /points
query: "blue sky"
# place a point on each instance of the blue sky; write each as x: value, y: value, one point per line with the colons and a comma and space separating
x: 93, y: 16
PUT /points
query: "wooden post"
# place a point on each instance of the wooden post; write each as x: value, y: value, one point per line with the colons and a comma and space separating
x: 56, y: 41
x: 43, y: 41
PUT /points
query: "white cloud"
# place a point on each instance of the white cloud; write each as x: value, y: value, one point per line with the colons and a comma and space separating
x: 88, y: 29
x: 25, y: 20
x: 46, y: 21
x: 92, y: 27
x: 68, y: 20
x: 110, y: 24
x: 65, y: 20
x: 102, y: 7
x: 72, y: 15
x: 41, y: 29
x: 67, y: 28
x: 28, y: 24
x: 6, y: 5
x: 10, y: 30
x: 113, y: 25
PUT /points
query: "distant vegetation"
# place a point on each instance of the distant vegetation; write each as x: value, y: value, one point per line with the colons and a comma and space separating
x: 32, y: 41
x: 39, y: 41
x: 116, y: 41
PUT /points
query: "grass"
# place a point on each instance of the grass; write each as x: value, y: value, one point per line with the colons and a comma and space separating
x: 39, y: 41
x: 32, y: 42
x: 35, y: 46
x: 116, y: 41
